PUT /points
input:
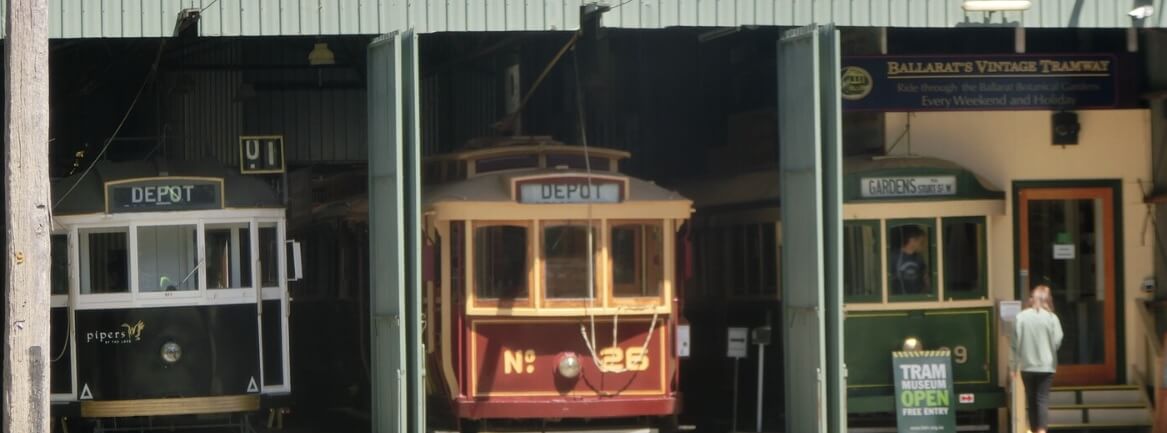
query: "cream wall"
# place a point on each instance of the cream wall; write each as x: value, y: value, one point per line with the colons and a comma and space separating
x: 1005, y: 146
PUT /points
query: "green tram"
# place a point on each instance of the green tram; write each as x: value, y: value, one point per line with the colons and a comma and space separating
x: 937, y: 209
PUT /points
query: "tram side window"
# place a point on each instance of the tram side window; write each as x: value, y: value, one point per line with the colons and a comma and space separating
x: 964, y: 257
x: 861, y: 261
x: 168, y: 258
x: 565, y: 260
x: 500, y: 262
x: 910, y: 260
x: 60, y: 264
x: 228, y: 256
x: 105, y: 265
x: 269, y: 250
x: 637, y: 259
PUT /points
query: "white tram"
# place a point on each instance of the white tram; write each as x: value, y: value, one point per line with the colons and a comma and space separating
x: 169, y: 295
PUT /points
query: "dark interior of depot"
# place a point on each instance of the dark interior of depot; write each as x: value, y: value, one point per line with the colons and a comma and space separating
x: 687, y: 103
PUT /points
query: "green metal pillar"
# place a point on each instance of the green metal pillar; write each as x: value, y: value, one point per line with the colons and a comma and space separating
x: 811, y: 226
x: 395, y: 235
x: 832, y: 164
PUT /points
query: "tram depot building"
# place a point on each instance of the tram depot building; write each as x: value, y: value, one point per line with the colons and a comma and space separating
x: 272, y: 216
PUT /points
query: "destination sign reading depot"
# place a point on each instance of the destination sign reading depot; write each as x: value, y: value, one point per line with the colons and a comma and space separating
x: 164, y: 194
x: 924, y: 83
x: 569, y: 192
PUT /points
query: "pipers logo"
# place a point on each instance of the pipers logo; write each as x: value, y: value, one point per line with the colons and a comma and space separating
x: 129, y: 333
x: 856, y: 83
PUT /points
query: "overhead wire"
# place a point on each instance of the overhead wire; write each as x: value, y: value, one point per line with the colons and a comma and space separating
x: 590, y: 341
x: 150, y: 76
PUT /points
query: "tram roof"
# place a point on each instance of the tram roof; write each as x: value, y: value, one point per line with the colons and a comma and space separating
x: 88, y: 196
x: 497, y: 187
x: 763, y: 187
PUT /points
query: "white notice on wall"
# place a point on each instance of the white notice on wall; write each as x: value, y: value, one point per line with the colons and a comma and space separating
x: 738, y: 341
x: 1064, y: 251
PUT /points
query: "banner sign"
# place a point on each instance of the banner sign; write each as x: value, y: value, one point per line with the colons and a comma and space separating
x: 163, y: 194
x: 923, y: 391
x: 991, y: 82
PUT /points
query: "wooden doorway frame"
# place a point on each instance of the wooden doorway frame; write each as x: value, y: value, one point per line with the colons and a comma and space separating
x: 1110, y: 192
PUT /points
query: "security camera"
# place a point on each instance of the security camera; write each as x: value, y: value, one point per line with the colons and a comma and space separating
x: 1142, y: 12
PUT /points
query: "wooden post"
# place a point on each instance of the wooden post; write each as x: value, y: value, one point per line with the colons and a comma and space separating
x: 26, y: 218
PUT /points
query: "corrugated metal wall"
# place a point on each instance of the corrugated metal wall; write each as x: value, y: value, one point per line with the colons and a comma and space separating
x: 319, y: 111
x: 155, y: 18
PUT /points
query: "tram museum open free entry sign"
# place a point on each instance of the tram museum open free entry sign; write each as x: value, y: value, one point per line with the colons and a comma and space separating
x: 923, y: 391
x: 986, y: 82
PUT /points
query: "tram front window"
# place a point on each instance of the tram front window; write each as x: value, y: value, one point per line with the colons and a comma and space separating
x: 168, y: 258
x: 861, y: 261
x: 105, y: 266
x: 500, y: 262
x: 964, y: 257
x: 910, y: 260
x: 637, y: 259
x: 565, y: 260
x: 228, y: 256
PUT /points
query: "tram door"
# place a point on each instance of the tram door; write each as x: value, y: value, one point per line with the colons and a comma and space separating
x: 1067, y: 241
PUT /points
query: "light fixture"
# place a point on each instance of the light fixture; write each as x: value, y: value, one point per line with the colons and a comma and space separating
x: 995, y: 5
x: 321, y: 55
x: 911, y: 344
x: 568, y: 365
x: 1142, y: 12
x: 171, y: 352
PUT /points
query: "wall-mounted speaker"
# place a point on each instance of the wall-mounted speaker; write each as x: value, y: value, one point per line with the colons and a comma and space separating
x: 1065, y: 128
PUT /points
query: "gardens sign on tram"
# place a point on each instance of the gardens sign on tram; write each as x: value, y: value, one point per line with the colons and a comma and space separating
x: 915, y: 186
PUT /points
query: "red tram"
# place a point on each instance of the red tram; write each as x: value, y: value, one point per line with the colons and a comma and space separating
x: 525, y: 326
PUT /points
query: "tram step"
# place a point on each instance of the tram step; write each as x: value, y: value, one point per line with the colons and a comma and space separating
x: 1099, y: 407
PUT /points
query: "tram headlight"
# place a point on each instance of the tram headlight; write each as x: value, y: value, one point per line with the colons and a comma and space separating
x: 911, y: 344
x: 568, y: 365
x: 171, y: 352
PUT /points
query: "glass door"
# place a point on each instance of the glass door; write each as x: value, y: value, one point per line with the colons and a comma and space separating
x: 1067, y: 241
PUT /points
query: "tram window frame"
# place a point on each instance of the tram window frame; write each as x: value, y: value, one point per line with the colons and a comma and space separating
x: 196, y: 272
x: 981, y: 290
x: 875, y: 295
x: 472, y: 264
x: 600, y: 287
x: 85, y: 274
x: 932, y: 244
x: 639, y: 272
x: 240, y: 256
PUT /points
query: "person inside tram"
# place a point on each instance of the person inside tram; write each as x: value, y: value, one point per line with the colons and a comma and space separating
x: 909, y: 270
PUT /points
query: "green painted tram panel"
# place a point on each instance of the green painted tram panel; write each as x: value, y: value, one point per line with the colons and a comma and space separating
x: 872, y: 336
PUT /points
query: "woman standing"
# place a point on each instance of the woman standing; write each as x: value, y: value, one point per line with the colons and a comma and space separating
x: 1037, y: 334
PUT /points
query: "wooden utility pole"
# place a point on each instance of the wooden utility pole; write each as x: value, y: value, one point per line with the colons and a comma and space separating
x: 26, y: 217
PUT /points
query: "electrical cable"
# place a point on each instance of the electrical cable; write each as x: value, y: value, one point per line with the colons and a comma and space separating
x: 153, y: 73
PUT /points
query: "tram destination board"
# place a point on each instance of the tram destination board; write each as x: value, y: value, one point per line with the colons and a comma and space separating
x: 923, y: 385
x: 988, y: 82
x: 163, y: 194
